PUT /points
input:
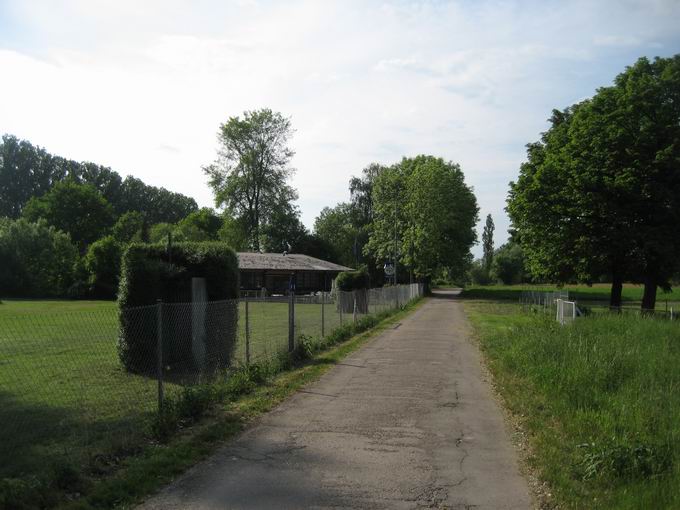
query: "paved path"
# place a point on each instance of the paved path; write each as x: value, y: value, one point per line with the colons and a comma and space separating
x: 405, y: 422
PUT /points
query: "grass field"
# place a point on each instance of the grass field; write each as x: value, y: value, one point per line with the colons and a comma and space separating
x: 593, y: 295
x: 64, y: 392
x: 599, y: 399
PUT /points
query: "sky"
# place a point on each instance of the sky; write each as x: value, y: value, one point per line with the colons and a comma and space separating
x: 142, y: 86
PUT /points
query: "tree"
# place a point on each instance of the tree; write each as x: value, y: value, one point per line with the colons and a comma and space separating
x: 37, y: 259
x: 600, y: 193
x: 508, y: 264
x: 234, y: 232
x: 157, y: 204
x: 25, y: 171
x: 478, y: 273
x: 442, y: 212
x: 626, y: 141
x: 335, y: 227
x: 487, y: 243
x: 424, y: 211
x: 158, y: 233
x: 77, y: 209
x: 283, y: 231
x: 102, y: 262
x: 540, y: 205
x: 201, y: 225
x: 251, y: 174
x: 361, y: 215
x: 28, y: 171
x: 129, y: 227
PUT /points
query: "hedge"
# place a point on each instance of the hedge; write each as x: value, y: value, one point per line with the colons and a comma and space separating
x: 151, y: 272
x: 352, y: 280
x: 355, y: 282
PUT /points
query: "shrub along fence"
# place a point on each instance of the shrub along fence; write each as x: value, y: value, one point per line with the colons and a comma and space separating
x: 67, y: 390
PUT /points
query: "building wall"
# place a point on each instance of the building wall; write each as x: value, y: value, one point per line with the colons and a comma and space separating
x: 278, y: 282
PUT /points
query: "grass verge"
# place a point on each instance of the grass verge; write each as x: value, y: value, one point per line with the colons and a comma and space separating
x: 196, y: 423
x: 598, y: 398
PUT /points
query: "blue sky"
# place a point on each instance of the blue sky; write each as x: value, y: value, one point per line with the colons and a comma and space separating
x: 143, y: 86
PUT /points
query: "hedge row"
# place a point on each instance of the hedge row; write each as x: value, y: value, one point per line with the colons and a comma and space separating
x: 155, y: 272
x: 352, y: 280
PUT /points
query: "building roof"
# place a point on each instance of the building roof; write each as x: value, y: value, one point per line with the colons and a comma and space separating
x: 288, y: 262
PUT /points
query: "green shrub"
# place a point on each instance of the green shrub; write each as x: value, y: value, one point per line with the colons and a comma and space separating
x: 150, y: 273
x: 36, y: 260
x: 352, y: 280
x: 102, y: 263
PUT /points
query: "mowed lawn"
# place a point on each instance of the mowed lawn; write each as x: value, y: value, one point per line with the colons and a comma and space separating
x: 599, y: 399
x: 63, y: 390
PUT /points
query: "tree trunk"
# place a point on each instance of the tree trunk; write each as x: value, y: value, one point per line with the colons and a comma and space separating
x: 617, y: 290
x: 649, y: 296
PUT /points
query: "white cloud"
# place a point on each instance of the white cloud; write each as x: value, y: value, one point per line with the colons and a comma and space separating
x: 143, y: 86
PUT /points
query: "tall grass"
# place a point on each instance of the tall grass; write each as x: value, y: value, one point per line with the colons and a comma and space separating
x: 601, y: 398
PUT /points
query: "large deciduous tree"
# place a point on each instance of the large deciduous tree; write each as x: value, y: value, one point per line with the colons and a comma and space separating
x: 336, y: 227
x: 423, y: 210
x: 250, y: 176
x: 600, y: 193
x: 77, y: 209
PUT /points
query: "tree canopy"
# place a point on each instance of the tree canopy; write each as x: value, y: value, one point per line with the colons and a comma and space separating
x: 423, y: 209
x: 250, y: 176
x: 600, y: 193
x: 28, y: 171
x: 77, y: 209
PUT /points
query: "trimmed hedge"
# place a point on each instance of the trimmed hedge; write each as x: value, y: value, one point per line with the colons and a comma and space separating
x: 355, y: 282
x: 150, y: 272
x: 352, y: 280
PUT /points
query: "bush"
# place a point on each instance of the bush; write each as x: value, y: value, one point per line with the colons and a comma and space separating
x: 508, y: 264
x: 352, y: 280
x: 150, y: 273
x: 102, y: 263
x: 129, y: 227
x: 478, y: 273
x: 37, y: 260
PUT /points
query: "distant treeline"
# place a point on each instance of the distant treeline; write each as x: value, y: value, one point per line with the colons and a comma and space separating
x: 28, y: 171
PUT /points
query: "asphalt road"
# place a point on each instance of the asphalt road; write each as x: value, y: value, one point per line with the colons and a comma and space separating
x: 405, y: 422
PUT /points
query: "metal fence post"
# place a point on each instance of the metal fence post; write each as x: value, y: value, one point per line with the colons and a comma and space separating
x: 341, y: 303
x: 323, y: 313
x: 291, y: 316
x: 247, y: 333
x: 354, y: 306
x: 159, y: 352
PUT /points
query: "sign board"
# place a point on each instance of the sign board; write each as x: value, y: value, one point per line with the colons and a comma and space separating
x: 389, y: 269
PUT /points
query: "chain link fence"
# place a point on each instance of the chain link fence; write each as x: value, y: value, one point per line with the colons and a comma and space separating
x: 87, y: 385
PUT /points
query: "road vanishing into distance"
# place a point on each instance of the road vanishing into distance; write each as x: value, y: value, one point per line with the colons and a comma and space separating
x: 407, y: 421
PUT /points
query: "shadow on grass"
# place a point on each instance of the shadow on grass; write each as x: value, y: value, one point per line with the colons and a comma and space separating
x: 30, y: 434
x: 491, y: 293
x: 35, y: 437
x: 514, y: 294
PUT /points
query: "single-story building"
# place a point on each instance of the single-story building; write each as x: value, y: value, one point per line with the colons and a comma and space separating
x: 273, y: 272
